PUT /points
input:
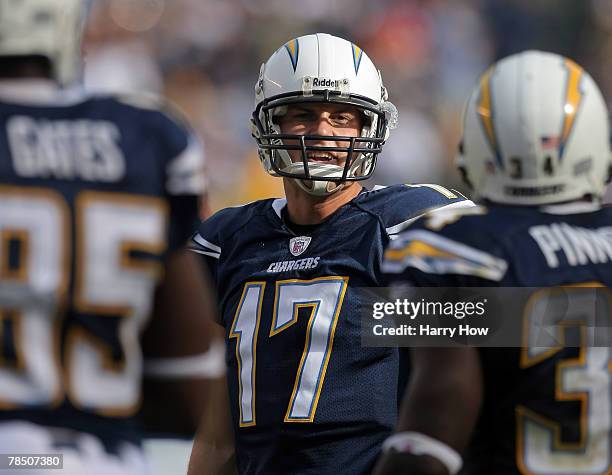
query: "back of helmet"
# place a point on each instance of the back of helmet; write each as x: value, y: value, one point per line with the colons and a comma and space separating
x: 51, y: 29
x: 536, y: 132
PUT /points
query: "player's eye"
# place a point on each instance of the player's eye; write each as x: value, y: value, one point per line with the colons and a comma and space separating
x: 302, y: 115
x: 343, y: 119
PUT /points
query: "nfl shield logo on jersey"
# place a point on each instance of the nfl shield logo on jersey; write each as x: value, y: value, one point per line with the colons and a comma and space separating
x: 298, y: 245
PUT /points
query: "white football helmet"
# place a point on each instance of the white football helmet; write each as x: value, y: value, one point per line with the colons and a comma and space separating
x: 536, y: 132
x: 49, y: 28
x: 324, y: 69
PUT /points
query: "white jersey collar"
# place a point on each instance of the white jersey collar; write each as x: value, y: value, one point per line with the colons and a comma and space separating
x: 575, y: 207
x: 37, y: 92
x: 278, y: 205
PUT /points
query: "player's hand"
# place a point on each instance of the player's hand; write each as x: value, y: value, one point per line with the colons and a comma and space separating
x: 400, y: 463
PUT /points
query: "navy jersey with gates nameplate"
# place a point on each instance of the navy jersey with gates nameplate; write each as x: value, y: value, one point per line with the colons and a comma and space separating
x: 546, y: 410
x: 94, y: 192
x: 306, y: 397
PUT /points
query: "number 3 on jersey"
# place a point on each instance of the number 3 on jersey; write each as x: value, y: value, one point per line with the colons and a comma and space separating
x: 324, y: 297
x: 586, y: 379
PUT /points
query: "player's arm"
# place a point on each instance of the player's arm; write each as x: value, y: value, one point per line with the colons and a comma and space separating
x: 438, y: 413
x: 184, y: 355
x: 445, y: 391
x: 184, y: 352
x: 213, y: 447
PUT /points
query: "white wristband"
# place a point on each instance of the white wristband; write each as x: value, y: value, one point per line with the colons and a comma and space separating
x: 421, y: 444
x: 206, y: 365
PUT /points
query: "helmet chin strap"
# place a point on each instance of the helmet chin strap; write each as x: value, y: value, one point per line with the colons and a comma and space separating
x: 319, y: 188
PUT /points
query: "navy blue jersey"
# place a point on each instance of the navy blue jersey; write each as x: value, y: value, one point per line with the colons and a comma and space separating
x: 94, y: 191
x: 546, y: 410
x: 305, y: 396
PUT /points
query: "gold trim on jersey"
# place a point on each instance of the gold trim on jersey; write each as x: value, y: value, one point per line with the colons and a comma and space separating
x: 126, y: 262
x: 418, y: 249
x: 332, y: 332
x: 238, y: 335
x: 450, y: 194
x: 74, y: 336
x: 523, y: 413
x: 436, y: 221
x: 6, y: 236
x: 14, y: 316
x: 61, y: 293
x: 526, y: 361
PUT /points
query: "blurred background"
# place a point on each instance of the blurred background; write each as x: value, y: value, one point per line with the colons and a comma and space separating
x: 204, y: 55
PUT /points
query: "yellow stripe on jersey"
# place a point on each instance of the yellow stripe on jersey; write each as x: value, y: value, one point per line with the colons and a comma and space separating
x: 417, y: 249
x: 434, y: 253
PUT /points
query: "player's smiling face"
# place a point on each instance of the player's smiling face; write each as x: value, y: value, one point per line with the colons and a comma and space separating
x: 333, y: 120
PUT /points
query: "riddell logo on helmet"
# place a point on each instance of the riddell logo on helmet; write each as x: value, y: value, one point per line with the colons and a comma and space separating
x: 323, y: 82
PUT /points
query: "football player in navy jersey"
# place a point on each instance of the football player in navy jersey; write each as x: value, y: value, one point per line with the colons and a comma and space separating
x: 305, y: 397
x: 97, y: 197
x: 536, y: 153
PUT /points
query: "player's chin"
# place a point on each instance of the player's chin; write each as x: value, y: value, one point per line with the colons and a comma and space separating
x: 330, y: 186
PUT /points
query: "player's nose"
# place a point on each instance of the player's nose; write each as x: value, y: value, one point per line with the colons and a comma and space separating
x: 322, y: 126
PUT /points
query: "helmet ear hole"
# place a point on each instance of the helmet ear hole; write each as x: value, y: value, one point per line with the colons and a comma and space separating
x: 461, y: 166
x: 464, y: 177
x: 254, y: 130
x: 366, y: 119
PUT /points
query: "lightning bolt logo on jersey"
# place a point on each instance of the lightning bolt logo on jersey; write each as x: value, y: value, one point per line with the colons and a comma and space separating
x: 305, y: 396
x: 546, y: 409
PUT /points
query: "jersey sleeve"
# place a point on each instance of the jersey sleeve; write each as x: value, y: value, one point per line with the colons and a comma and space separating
x: 185, y: 176
x: 218, y: 236
x: 437, y: 251
x: 398, y: 206
x: 206, y: 241
x: 394, y: 230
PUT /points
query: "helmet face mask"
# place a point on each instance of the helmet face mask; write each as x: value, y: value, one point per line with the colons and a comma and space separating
x: 335, y: 85
x: 360, y: 151
x: 536, y: 132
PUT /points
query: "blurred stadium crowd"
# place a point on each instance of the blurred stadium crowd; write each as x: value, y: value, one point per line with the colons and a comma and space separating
x: 204, y: 55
